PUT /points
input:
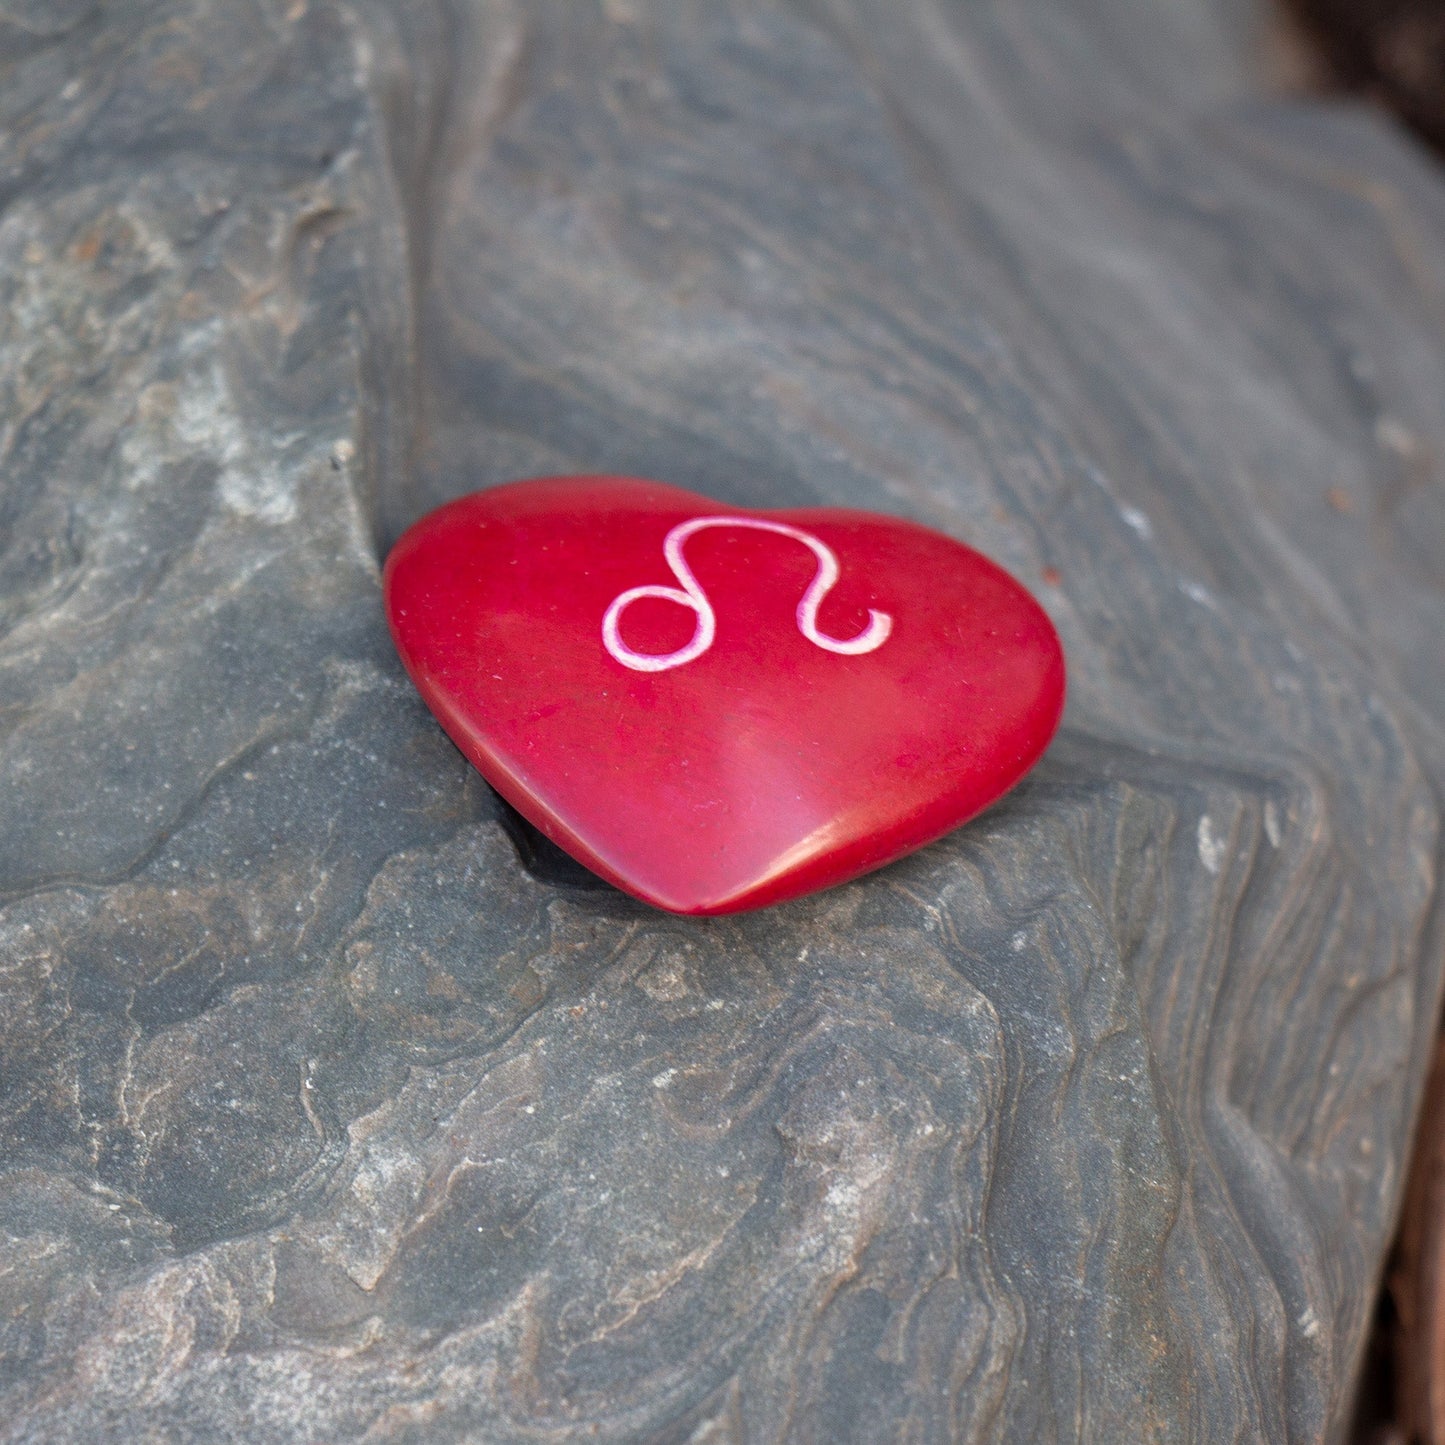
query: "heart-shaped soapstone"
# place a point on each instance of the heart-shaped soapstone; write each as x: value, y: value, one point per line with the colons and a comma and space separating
x: 718, y: 709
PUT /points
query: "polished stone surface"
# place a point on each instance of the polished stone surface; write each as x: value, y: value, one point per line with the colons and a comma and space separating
x: 806, y: 697
x: 322, y: 1114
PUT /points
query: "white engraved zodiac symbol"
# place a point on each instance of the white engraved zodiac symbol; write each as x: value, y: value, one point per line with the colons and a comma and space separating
x: 880, y: 624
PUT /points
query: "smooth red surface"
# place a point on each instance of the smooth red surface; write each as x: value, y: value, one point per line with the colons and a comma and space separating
x: 767, y: 766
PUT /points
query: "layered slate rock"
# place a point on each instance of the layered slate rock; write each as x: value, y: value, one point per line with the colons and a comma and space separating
x: 329, y: 1107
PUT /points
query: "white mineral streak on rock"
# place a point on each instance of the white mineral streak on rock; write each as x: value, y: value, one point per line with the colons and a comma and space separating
x: 1211, y: 849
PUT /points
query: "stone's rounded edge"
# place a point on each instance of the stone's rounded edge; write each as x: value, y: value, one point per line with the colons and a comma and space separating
x: 799, y: 882
x: 829, y: 866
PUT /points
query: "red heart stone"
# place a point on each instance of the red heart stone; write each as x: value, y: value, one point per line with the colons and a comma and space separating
x: 717, y: 709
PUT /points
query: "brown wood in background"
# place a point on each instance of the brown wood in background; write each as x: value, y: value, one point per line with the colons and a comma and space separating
x: 1390, y: 50
x: 1415, y: 1327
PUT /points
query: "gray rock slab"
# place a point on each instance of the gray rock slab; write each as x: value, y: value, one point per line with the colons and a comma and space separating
x: 328, y: 1113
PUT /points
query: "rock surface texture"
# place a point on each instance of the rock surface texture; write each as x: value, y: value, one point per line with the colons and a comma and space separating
x: 328, y: 1112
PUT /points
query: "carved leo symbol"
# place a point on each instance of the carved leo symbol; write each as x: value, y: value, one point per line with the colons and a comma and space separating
x: 690, y: 595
